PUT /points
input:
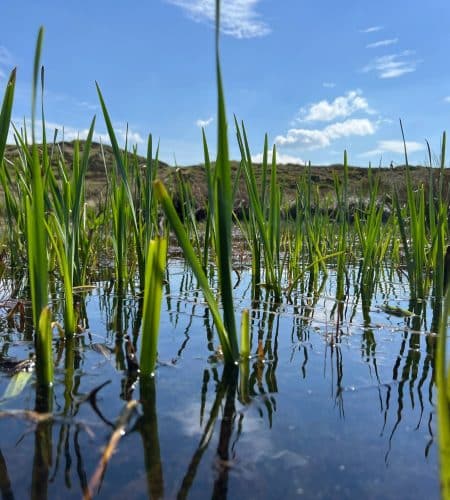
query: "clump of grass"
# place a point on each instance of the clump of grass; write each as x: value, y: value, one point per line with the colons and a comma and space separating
x: 66, y: 228
x: 264, y: 220
x: 124, y: 206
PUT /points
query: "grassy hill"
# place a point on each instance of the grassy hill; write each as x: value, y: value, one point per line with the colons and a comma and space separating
x: 322, y: 177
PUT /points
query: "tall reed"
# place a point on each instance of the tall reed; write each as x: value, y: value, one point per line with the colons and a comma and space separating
x: 221, y: 209
x: 37, y: 237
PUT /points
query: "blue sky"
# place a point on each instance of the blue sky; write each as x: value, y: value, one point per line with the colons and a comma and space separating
x: 318, y: 76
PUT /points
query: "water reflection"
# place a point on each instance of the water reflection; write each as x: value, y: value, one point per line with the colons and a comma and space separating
x: 147, y: 425
x: 318, y: 359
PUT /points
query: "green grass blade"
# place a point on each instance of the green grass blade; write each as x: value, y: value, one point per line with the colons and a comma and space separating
x: 197, y: 269
x: 224, y: 205
x: 36, y: 68
x: 155, y: 265
x: 44, y: 356
x: 66, y: 271
x: 5, y: 113
x: 245, y: 334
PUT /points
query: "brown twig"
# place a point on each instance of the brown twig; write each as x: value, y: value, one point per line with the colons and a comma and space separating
x: 34, y: 416
x: 119, y: 431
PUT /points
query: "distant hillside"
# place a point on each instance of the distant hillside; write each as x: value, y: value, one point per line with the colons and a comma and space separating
x: 322, y: 177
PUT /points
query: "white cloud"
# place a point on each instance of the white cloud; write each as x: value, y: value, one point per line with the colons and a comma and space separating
x: 70, y: 133
x: 371, y: 29
x: 393, y: 65
x: 382, y: 43
x: 204, y: 123
x: 328, y: 85
x: 238, y: 18
x: 447, y: 98
x: 282, y: 159
x: 321, y: 138
x: 340, y: 107
x: 393, y: 146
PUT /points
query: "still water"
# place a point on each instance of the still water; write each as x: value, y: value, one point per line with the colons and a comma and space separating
x: 337, y: 401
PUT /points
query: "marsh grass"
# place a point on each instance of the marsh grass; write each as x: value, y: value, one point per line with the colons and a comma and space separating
x: 47, y: 220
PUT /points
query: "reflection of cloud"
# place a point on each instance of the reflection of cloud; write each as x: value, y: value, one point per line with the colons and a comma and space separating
x: 238, y: 18
x: 393, y: 65
x: 255, y: 450
x: 322, y: 138
x: 188, y: 419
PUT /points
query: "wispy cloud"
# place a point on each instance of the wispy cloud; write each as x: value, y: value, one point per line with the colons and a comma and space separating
x: 447, y: 98
x: 382, y: 43
x: 87, y: 105
x: 204, y: 123
x: 329, y: 85
x: 5, y: 55
x: 282, y: 159
x: 238, y: 18
x: 393, y: 65
x: 371, y: 29
x: 322, y: 138
x: 393, y: 146
x: 5, y: 61
x: 340, y: 107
